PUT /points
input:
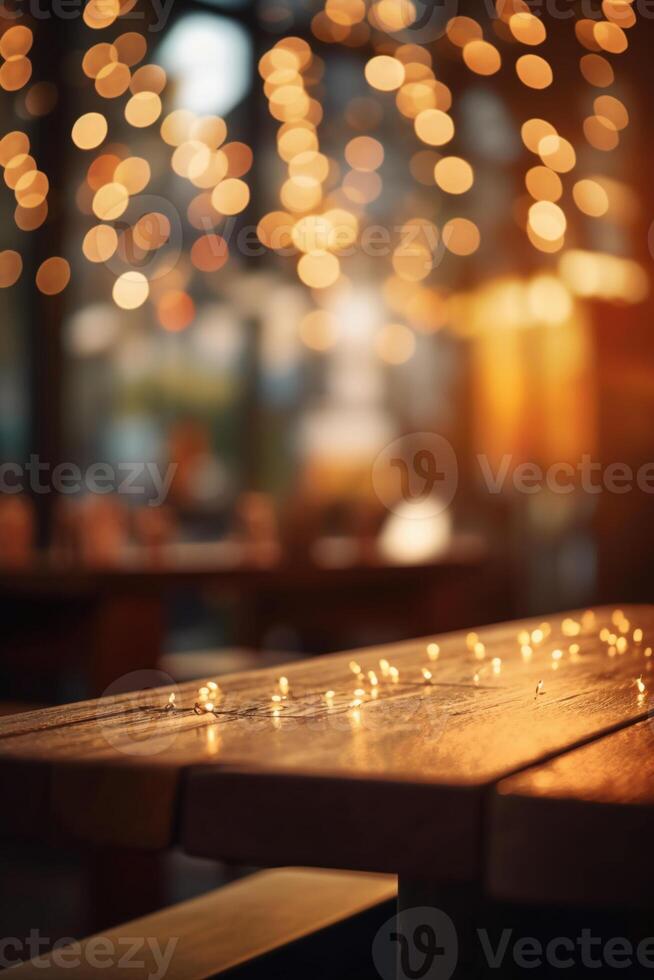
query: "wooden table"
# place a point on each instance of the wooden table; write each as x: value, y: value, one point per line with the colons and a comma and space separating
x: 405, y: 782
x: 110, y: 622
x: 578, y: 828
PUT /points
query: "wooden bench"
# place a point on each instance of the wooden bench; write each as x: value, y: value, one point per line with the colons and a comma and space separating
x: 244, y: 923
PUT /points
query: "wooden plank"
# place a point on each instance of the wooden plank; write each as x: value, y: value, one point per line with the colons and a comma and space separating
x: 237, y: 924
x: 578, y: 830
x: 401, y: 779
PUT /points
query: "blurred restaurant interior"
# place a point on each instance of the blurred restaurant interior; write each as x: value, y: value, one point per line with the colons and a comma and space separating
x: 290, y: 294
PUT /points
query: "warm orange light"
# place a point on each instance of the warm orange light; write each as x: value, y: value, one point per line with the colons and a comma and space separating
x: 454, y: 175
x: 131, y: 290
x: 11, y: 267
x: 89, y: 131
x: 53, y: 276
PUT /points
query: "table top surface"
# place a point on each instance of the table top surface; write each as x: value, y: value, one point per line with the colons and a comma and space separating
x: 367, y: 785
x: 577, y: 828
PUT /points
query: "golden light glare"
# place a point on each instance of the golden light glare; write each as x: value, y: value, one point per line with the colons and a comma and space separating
x: 434, y: 127
x: 131, y: 290
x: 31, y: 189
x: 392, y: 15
x: 362, y: 188
x: 53, y: 276
x: 99, y: 14
x: 591, y: 198
x: 130, y: 48
x: 311, y: 165
x: 102, y: 170
x: 15, y: 73
x: 534, y: 71
x: 16, y: 42
x: 312, y: 233
x: 527, y: 29
x: 301, y: 194
x: 461, y: 30
x: 482, y: 57
x: 558, y: 154
x: 384, y: 73
x: 151, y: 231
x: 547, y: 220
x: 98, y: 57
x: 601, y: 133
x: 534, y: 131
x: 178, y: 126
x: 209, y: 253
x: 211, y: 130
x: 597, y: 70
x: 610, y: 37
x: 192, y: 156
x: 149, y: 78
x: 344, y: 228
x: 275, y: 230
x: 207, y: 170
x: 175, y: 310
x: 90, y: 131
x: 454, y: 175
x: 110, y: 202
x: 412, y: 261
x: 619, y: 12
x: 231, y: 196
x: 544, y: 184
x: 461, y: 236
x: 296, y: 140
x: 364, y: 153
x: 29, y: 219
x: 395, y: 343
x: 319, y: 269
x: 608, y: 107
x: 345, y: 12
x: 13, y: 145
x: 143, y: 109
x: 11, y: 267
x: 100, y: 243
x: 319, y: 330
x: 19, y: 165
x: 134, y: 174
x: 112, y: 80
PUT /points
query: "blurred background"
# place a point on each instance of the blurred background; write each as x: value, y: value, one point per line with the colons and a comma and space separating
x: 255, y: 258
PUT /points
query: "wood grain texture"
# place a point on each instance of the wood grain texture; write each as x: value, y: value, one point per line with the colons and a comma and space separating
x: 227, y: 928
x: 578, y: 830
x: 396, y: 785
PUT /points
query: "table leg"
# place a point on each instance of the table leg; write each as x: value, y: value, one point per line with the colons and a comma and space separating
x: 454, y: 931
x: 436, y: 931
